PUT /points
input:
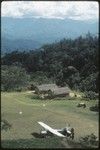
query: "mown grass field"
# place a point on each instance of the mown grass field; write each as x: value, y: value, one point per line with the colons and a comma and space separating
x: 56, y: 114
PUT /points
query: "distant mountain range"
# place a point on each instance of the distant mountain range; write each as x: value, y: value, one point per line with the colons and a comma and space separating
x: 31, y: 33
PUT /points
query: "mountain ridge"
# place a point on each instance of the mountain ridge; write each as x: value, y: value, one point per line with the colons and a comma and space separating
x: 32, y: 33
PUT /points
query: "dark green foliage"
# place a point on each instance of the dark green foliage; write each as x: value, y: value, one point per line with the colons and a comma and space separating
x: 74, y: 81
x: 13, y: 78
x: 89, y: 141
x: 95, y: 108
x: 70, y: 61
x: 18, y: 89
x: 32, y: 87
x: 91, y: 95
x: 5, y: 125
x: 40, y: 77
x: 90, y: 82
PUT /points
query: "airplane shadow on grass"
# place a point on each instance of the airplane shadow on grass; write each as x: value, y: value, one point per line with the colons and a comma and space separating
x: 38, y: 135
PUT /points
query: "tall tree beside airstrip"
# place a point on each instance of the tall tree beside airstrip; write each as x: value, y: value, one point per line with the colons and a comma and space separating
x: 13, y: 78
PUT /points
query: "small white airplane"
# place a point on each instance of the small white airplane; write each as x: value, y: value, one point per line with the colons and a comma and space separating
x: 64, y: 132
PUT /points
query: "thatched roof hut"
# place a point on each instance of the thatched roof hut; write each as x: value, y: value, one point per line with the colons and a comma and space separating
x: 54, y: 89
x: 47, y: 87
x: 62, y: 91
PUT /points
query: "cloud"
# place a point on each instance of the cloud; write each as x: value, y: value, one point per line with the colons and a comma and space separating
x: 51, y: 9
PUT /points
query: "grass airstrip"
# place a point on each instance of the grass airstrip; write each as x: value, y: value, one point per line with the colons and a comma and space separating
x: 55, y: 113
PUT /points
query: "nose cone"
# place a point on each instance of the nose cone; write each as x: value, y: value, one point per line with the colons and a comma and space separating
x: 68, y: 130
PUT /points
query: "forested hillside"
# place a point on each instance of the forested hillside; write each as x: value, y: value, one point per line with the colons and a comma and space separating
x: 70, y: 61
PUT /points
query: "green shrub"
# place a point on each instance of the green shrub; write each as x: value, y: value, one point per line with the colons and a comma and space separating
x: 32, y: 87
x: 90, y: 95
x: 89, y: 141
x: 5, y: 125
x: 18, y: 89
x: 95, y: 108
x: 13, y: 78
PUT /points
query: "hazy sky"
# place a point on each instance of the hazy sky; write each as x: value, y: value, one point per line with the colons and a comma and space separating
x: 86, y: 10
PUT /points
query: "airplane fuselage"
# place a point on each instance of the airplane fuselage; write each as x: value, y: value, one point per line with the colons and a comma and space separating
x: 63, y: 131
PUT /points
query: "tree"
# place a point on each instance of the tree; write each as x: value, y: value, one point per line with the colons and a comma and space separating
x: 90, y: 83
x: 69, y: 61
x: 13, y: 77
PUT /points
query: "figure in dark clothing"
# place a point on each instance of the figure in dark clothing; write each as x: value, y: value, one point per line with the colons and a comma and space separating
x: 84, y: 105
x: 72, y: 133
x: 75, y: 95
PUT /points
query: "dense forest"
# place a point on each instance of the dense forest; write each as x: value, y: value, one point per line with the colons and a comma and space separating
x: 72, y: 62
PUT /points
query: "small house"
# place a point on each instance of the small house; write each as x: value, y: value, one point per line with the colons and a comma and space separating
x: 62, y: 91
x: 44, y: 88
x: 52, y: 90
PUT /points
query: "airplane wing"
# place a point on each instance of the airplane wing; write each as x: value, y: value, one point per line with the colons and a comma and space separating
x: 50, y: 129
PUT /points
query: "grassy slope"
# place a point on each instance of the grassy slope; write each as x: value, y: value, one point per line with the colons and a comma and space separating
x: 30, y: 143
x: 56, y: 114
